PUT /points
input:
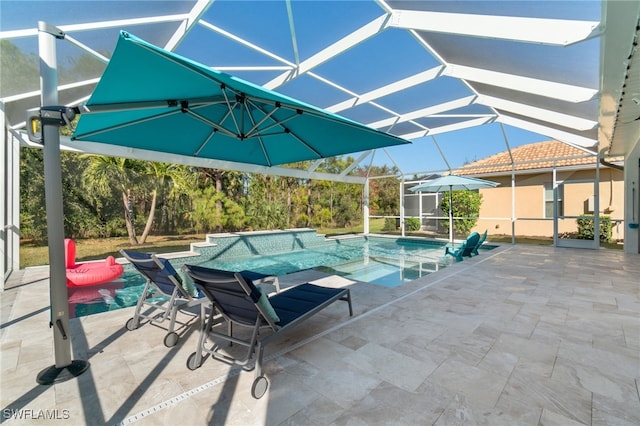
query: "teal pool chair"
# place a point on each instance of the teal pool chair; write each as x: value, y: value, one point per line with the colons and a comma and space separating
x: 480, y: 242
x: 466, y: 248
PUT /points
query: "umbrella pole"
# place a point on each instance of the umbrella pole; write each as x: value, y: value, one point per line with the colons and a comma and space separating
x: 450, y: 216
x: 64, y: 368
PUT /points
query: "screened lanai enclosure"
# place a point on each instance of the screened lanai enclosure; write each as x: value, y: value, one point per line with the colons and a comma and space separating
x: 459, y: 80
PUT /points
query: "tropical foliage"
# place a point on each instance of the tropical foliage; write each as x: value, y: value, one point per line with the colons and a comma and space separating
x: 586, y: 228
x: 117, y: 197
x: 465, y: 208
x: 412, y: 224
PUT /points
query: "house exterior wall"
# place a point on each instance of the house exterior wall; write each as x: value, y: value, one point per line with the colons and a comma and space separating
x: 495, y: 211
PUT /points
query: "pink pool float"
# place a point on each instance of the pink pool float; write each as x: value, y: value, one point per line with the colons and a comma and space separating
x: 89, y: 273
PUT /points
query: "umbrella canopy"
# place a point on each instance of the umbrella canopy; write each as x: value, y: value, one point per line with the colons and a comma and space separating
x: 452, y: 183
x: 149, y: 98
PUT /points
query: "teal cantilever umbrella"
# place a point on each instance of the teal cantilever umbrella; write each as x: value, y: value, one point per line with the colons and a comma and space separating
x: 452, y: 183
x: 149, y: 98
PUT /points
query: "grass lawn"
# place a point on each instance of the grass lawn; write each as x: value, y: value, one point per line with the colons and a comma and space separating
x: 92, y: 249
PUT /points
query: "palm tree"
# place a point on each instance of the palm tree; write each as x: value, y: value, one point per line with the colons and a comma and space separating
x: 105, y: 173
x: 168, y: 179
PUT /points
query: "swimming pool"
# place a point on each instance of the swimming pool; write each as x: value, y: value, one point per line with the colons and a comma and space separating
x: 382, y: 261
x: 376, y: 260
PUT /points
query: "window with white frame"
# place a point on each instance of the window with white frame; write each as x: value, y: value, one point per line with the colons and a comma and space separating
x: 548, y: 200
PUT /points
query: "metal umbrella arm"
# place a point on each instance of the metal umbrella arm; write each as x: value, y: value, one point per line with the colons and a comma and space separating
x: 242, y: 103
x: 191, y: 106
x: 151, y: 104
x: 59, y: 115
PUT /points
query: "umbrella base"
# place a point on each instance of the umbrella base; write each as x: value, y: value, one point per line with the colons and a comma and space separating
x: 52, y: 375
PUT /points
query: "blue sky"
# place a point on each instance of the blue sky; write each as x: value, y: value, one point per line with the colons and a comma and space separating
x: 460, y: 147
x: 385, y: 58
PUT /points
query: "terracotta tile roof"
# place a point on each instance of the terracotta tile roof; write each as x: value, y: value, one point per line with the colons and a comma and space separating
x: 533, y: 156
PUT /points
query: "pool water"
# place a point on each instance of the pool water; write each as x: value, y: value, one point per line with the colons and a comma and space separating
x: 123, y: 293
x: 382, y: 261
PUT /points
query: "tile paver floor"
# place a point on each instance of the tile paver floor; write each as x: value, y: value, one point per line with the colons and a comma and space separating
x: 521, y: 335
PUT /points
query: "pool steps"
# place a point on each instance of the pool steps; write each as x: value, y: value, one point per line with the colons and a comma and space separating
x: 241, y: 244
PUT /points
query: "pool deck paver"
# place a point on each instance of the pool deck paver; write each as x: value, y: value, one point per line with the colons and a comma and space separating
x: 525, y: 335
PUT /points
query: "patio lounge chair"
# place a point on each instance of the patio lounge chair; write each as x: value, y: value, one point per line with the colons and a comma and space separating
x: 240, y: 303
x: 466, y: 248
x: 162, y: 280
x: 480, y: 242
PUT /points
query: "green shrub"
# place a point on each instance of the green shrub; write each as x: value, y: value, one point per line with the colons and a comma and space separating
x: 389, y: 224
x: 116, y: 227
x: 586, y: 230
x: 302, y: 220
x: 322, y: 218
x: 466, y: 205
x: 412, y: 224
